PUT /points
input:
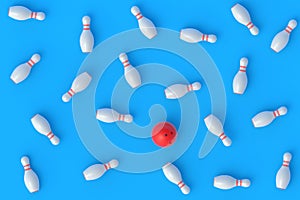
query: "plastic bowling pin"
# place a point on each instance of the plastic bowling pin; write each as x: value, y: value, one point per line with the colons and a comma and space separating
x: 86, y: 37
x: 193, y: 36
x: 131, y: 74
x: 80, y: 83
x: 22, y: 13
x: 22, y: 71
x: 240, y: 80
x: 146, y: 26
x: 177, y: 91
x: 283, y: 175
x: 282, y: 38
x: 226, y: 182
x: 267, y: 117
x: 173, y: 175
x: 109, y: 115
x: 96, y: 171
x: 42, y: 126
x: 241, y: 15
x: 31, y: 180
x: 215, y: 126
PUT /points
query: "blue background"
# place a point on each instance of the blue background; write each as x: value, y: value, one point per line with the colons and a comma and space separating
x: 255, y: 154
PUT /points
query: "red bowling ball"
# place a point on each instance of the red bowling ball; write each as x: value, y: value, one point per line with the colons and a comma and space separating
x: 164, y: 134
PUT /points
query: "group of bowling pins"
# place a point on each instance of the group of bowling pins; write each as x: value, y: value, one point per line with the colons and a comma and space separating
x: 280, y: 40
x: 170, y: 171
x: 283, y: 177
x: 22, y: 13
x: 41, y: 125
x: 175, y: 91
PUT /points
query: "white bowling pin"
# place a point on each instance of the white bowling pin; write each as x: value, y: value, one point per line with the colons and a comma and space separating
x: 283, y: 175
x: 226, y: 182
x: 22, y: 71
x: 215, y: 126
x: 23, y: 13
x: 109, y: 115
x: 241, y: 14
x: 31, y: 180
x: 86, y: 37
x: 131, y: 74
x: 177, y: 91
x: 240, y: 80
x: 173, y: 175
x: 267, y: 117
x: 80, y: 83
x: 42, y: 126
x: 146, y: 26
x: 192, y: 35
x: 282, y: 38
x: 96, y: 171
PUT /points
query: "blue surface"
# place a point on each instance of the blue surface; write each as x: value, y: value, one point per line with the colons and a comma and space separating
x: 255, y: 153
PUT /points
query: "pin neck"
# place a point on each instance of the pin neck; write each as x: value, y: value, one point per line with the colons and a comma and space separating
x: 30, y: 63
x: 50, y: 135
x: 250, y: 25
x: 243, y: 68
x: 27, y: 167
x: 71, y: 92
x: 239, y: 182
x: 86, y: 27
x: 33, y: 15
x: 222, y: 136
x: 121, y: 117
x: 107, y: 166
x: 286, y: 163
x: 190, y: 87
x: 139, y: 16
x: 181, y: 184
x: 288, y: 29
x: 126, y: 63
x: 276, y: 113
x: 204, y: 37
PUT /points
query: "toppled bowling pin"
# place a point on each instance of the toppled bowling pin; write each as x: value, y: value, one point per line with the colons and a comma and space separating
x: 241, y: 15
x: 109, y: 115
x: 177, y: 91
x: 173, y: 175
x: 22, y: 71
x: 131, y: 74
x: 267, y: 117
x: 283, y: 175
x: 240, y: 80
x: 80, y: 83
x: 42, y: 126
x: 22, y: 13
x: 192, y: 35
x: 31, y: 180
x: 96, y: 171
x: 86, y: 37
x: 215, y: 126
x: 282, y: 38
x: 226, y: 182
x: 146, y: 26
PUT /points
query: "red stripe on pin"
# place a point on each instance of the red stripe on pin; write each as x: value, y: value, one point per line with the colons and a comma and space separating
x: 288, y: 29
x: 139, y: 16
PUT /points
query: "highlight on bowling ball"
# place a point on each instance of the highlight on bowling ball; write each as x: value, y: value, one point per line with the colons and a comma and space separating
x: 164, y: 134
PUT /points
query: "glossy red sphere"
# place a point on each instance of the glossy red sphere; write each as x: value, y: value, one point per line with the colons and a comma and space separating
x: 164, y: 134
